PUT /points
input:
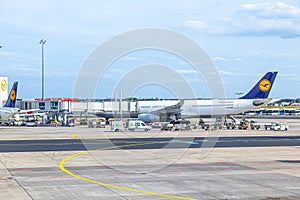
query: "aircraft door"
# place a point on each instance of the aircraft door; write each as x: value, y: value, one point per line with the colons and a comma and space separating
x: 236, y: 105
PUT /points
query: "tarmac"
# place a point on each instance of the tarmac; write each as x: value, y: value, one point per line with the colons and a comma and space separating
x: 124, y: 169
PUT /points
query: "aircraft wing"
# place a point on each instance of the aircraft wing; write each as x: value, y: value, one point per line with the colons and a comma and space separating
x: 174, y: 109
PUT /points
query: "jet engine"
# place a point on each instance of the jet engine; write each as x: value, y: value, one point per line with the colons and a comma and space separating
x: 148, y: 118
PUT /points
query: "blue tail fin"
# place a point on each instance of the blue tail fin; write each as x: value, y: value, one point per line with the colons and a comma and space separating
x: 12, y: 98
x: 262, y: 89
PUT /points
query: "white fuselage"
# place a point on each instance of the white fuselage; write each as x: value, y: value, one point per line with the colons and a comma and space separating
x: 196, y: 108
x: 6, y: 113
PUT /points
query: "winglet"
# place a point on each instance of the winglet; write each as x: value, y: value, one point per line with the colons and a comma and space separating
x: 12, y: 98
x: 262, y: 89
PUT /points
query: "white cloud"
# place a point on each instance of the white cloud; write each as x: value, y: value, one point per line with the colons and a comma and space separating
x: 203, y: 26
x: 113, y: 73
x: 17, y: 56
x: 272, y: 10
x: 289, y: 76
x: 261, y: 52
x: 259, y: 19
x: 20, y: 69
x: 238, y: 59
x: 228, y: 73
x: 223, y: 59
x: 200, y: 25
x: 7, y: 54
x: 129, y: 58
x: 220, y: 59
x: 186, y: 71
x: 226, y: 19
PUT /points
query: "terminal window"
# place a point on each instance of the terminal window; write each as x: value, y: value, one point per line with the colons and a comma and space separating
x: 54, y: 105
x: 42, y: 105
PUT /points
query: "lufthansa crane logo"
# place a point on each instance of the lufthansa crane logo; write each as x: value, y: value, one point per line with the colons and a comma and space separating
x: 3, y: 85
x: 12, y: 95
x: 264, y: 85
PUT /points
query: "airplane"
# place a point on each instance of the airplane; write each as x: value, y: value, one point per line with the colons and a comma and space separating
x: 294, y: 103
x: 9, y: 109
x: 256, y: 97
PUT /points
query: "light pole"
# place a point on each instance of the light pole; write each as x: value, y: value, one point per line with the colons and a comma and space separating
x: 42, y: 42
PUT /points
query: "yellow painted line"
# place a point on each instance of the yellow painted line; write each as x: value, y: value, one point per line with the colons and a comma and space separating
x: 62, y: 167
x: 75, y: 136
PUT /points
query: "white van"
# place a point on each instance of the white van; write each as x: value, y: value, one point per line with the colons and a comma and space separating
x: 280, y: 126
x: 117, y: 126
x: 134, y: 125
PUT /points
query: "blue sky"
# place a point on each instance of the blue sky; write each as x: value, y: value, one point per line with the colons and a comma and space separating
x: 245, y: 39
